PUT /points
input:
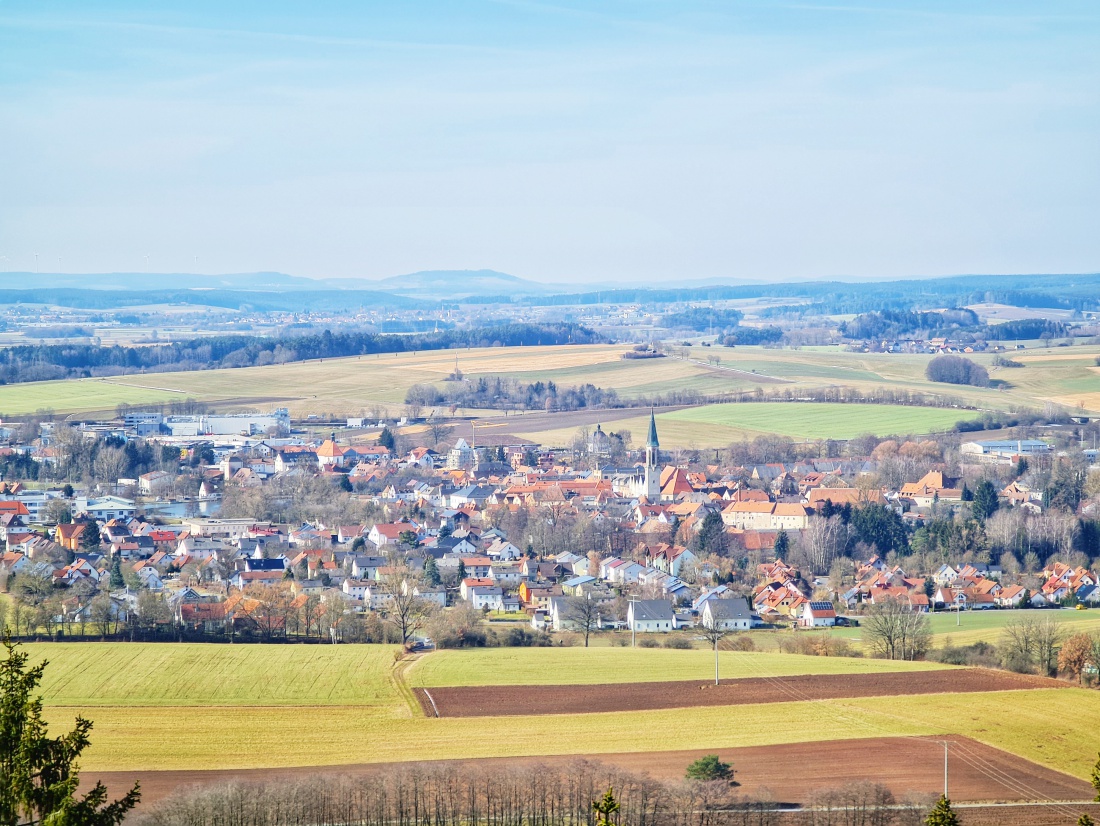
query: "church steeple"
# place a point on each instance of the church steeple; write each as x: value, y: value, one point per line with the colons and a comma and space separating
x: 652, y: 455
x: 652, y: 441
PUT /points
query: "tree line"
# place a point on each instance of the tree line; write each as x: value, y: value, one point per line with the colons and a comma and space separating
x: 59, y: 361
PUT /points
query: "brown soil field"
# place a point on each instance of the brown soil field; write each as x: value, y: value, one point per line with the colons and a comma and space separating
x: 492, y: 701
x: 791, y: 773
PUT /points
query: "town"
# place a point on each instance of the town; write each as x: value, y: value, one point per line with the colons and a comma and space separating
x: 242, y: 530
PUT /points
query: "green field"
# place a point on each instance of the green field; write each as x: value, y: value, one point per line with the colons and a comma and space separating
x: 594, y: 666
x: 809, y: 420
x: 183, y: 674
x: 986, y: 626
x: 172, y: 706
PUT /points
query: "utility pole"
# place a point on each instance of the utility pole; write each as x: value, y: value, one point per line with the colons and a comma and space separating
x: 633, y: 633
x: 945, y: 794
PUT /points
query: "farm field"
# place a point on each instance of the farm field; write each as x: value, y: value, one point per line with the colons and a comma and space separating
x: 1041, y: 725
x: 1068, y: 376
x: 906, y: 765
x: 488, y: 701
x: 195, y: 674
x: 595, y: 666
x: 979, y: 626
x: 809, y: 420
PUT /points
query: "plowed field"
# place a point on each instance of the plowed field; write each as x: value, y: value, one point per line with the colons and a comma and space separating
x: 791, y: 773
x: 493, y: 701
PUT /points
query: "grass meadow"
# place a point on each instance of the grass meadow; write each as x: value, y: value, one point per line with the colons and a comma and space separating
x: 194, y: 674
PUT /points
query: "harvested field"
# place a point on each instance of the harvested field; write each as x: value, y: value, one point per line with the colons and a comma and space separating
x: 493, y: 701
x: 906, y: 765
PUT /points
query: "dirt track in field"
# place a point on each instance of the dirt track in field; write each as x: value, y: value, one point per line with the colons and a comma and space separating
x: 493, y: 701
x: 791, y: 772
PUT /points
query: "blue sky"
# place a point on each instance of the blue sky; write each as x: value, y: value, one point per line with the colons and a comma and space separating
x: 615, y: 141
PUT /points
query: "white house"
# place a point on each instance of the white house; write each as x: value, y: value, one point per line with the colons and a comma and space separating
x: 154, y: 483
x: 817, y: 615
x: 485, y: 597
x: 729, y: 614
x: 646, y: 616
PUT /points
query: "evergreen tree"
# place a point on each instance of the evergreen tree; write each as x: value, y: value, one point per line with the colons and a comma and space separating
x: 386, y: 439
x: 712, y: 537
x: 1094, y: 778
x: 942, y: 814
x: 345, y: 483
x: 116, y: 582
x: 782, y: 544
x: 1085, y: 820
x: 38, y: 773
x: 461, y: 570
x: 985, y: 500
x: 90, y: 537
x: 431, y: 572
x: 709, y: 767
x: 605, y: 808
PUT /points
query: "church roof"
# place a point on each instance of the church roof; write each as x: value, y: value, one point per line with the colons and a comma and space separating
x: 652, y: 441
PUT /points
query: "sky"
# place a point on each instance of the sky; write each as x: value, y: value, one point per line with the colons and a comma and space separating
x: 644, y: 141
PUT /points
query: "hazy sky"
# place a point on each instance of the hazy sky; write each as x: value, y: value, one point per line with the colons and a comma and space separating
x: 644, y: 140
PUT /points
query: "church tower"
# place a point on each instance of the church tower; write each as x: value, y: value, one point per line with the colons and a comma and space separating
x: 652, y: 469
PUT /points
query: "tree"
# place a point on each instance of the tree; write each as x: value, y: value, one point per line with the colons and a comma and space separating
x: 583, y: 614
x: 89, y: 537
x: 431, y: 572
x: 387, y: 439
x: 1075, y: 655
x: 1094, y: 778
x: 605, y: 808
x: 712, y: 537
x: 461, y: 570
x: 345, y: 484
x: 710, y: 767
x: 1085, y: 820
x: 942, y: 814
x: 985, y: 500
x: 782, y: 545
x: 116, y: 581
x: 58, y: 512
x: 38, y: 773
x: 895, y: 631
x: 404, y: 610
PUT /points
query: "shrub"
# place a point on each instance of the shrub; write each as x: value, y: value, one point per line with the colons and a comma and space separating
x: 648, y: 642
x: 678, y: 642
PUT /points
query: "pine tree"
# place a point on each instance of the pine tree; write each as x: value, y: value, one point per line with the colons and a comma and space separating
x: 461, y: 570
x: 431, y: 572
x: 782, y: 544
x: 1085, y: 820
x: 386, y: 439
x: 117, y: 582
x: 89, y: 537
x: 1094, y: 778
x: 38, y: 774
x: 942, y: 814
x: 605, y: 807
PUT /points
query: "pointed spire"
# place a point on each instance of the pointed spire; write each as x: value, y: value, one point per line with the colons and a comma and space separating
x: 652, y: 441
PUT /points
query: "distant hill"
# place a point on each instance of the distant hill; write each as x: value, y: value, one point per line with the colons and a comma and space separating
x: 461, y: 283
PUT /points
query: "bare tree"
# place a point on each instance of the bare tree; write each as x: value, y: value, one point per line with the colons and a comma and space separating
x: 1032, y: 643
x: 405, y: 611
x: 822, y: 541
x: 583, y: 614
x: 897, y: 632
